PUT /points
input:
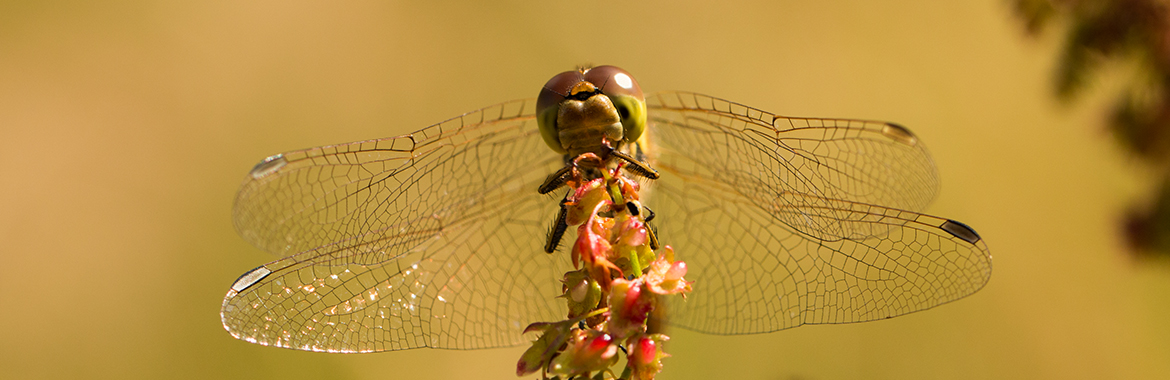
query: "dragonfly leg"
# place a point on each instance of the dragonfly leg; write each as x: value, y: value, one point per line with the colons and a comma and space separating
x: 637, y: 167
x: 555, y: 180
x: 558, y: 228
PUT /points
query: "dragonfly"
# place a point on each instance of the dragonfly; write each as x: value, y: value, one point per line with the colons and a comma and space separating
x: 438, y: 238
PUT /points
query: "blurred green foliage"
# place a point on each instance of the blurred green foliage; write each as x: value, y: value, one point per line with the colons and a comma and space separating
x: 1132, y: 33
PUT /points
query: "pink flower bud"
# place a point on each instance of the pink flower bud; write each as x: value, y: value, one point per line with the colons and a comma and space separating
x: 630, y: 306
x: 587, y: 351
x: 666, y: 277
x: 644, y: 351
x: 645, y: 358
x: 677, y: 271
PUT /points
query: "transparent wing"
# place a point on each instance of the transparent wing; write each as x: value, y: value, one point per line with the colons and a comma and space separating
x: 791, y: 221
x: 432, y: 239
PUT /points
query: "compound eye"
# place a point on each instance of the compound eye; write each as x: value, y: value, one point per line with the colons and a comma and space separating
x: 626, y: 95
x: 557, y: 89
x: 613, y: 80
x: 548, y: 103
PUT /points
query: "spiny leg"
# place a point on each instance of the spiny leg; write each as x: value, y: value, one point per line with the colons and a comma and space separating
x: 578, y: 168
x: 637, y: 167
x: 556, y: 180
x: 558, y: 228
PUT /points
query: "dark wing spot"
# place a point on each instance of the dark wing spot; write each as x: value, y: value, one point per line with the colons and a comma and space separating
x: 900, y: 134
x: 961, y: 231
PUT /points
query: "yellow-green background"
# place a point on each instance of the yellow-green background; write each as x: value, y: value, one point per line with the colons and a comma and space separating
x: 126, y: 126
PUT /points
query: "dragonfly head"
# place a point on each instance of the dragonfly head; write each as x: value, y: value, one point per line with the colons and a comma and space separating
x: 590, y: 110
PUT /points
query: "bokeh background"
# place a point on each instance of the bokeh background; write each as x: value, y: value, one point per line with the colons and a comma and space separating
x: 126, y: 127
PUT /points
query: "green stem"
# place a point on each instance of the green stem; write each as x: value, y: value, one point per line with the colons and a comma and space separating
x: 590, y: 314
x: 615, y: 192
x: 634, y: 263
